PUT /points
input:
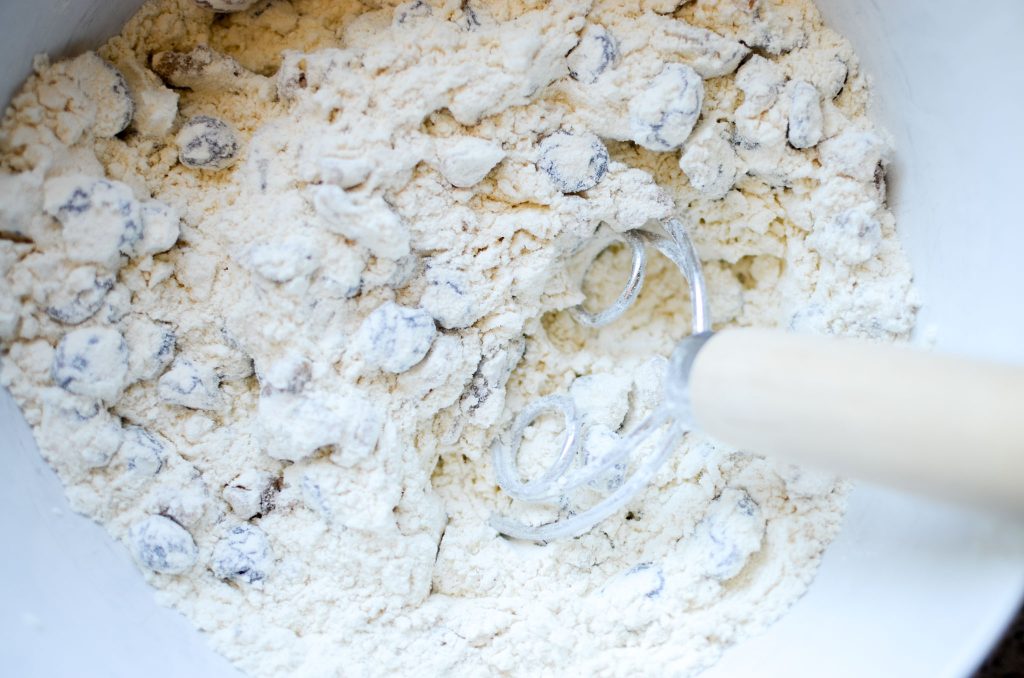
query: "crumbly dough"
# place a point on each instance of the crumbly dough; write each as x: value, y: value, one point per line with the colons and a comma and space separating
x: 274, y: 280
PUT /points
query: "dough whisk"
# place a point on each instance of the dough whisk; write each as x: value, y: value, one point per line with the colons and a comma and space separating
x: 935, y: 424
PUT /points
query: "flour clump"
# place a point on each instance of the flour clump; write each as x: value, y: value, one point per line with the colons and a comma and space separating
x: 92, y: 362
x: 162, y: 545
x: 205, y: 142
x: 573, y: 162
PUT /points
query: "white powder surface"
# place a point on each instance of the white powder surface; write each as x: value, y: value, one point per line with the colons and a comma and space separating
x: 274, y: 280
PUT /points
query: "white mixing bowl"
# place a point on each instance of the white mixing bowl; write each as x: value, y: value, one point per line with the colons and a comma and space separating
x: 910, y: 588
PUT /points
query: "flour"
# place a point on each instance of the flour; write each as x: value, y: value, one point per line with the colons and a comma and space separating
x: 276, y: 279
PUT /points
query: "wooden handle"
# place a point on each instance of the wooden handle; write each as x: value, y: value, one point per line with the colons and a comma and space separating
x: 928, y: 423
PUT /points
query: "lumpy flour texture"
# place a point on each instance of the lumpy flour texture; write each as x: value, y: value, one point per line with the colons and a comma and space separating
x: 275, y: 278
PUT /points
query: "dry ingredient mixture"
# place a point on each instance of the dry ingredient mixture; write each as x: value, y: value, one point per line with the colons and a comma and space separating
x: 277, y: 274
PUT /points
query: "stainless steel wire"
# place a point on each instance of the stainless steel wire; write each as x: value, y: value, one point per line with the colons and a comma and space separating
x: 571, y: 470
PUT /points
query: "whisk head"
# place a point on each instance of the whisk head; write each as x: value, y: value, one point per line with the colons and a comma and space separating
x: 572, y: 470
